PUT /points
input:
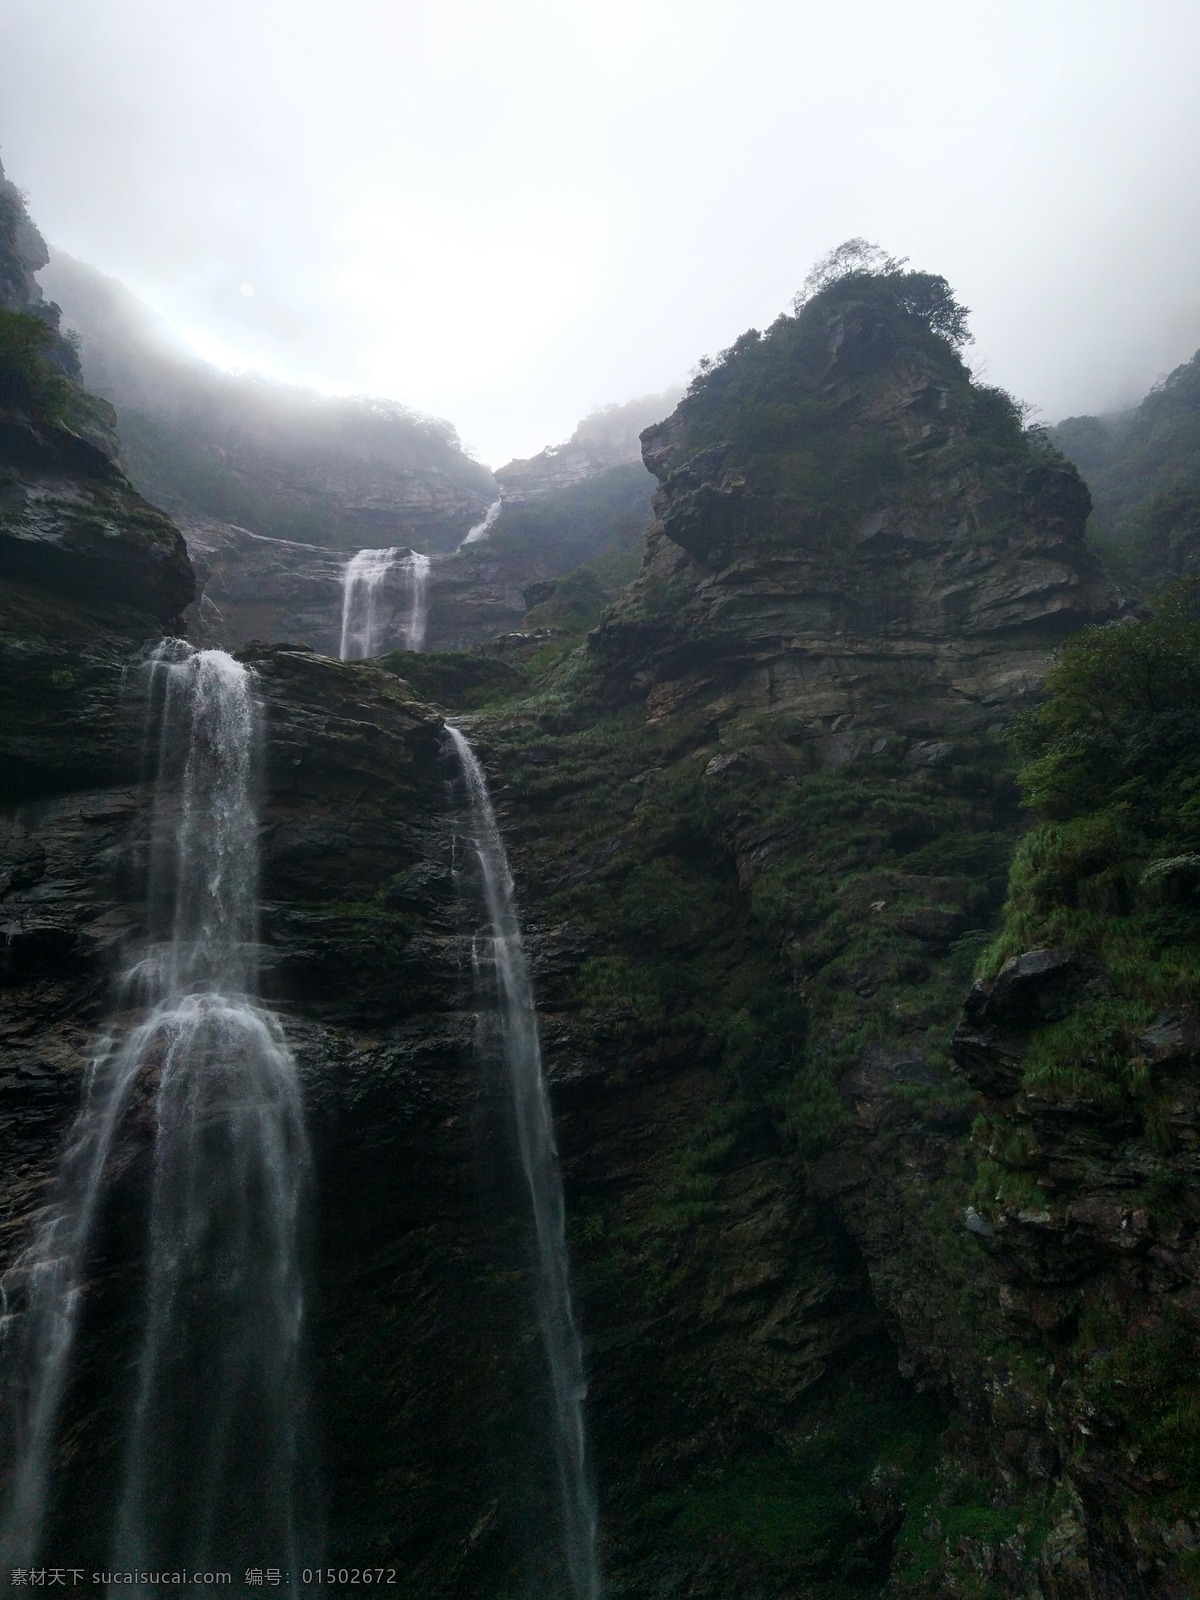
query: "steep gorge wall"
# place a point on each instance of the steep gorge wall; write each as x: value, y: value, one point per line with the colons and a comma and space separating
x: 774, y: 795
x: 761, y: 825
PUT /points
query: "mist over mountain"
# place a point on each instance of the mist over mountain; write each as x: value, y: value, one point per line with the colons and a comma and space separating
x: 1143, y: 468
x: 608, y: 437
x: 285, y: 462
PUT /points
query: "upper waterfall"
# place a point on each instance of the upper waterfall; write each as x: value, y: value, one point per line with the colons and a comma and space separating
x: 365, y: 622
x: 482, y: 529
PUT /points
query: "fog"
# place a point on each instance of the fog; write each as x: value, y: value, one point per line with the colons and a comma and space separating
x: 509, y: 215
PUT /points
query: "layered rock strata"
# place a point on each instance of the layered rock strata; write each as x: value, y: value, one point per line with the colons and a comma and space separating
x: 929, y: 588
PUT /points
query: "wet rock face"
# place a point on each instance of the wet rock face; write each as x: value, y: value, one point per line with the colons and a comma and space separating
x: 423, y: 1350
x: 70, y: 522
x: 88, y: 572
x: 367, y: 959
x: 256, y: 588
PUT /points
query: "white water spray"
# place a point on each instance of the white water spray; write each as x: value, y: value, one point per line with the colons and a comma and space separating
x: 212, y: 1454
x: 482, y: 529
x: 362, y: 577
x: 365, y: 618
x: 417, y: 568
x: 539, y: 1162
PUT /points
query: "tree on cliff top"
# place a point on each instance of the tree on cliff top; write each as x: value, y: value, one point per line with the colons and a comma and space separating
x: 853, y: 258
x: 925, y: 295
x: 855, y: 271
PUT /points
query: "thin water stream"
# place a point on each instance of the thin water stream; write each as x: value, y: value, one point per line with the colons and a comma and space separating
x: 539, y: 1163
x: 481, y: 529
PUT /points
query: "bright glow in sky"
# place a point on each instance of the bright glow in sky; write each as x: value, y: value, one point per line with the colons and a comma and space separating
x: 510, y: 214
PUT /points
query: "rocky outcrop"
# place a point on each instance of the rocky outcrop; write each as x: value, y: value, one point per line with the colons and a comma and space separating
x: 22, y: 254
x: 69, y: 522
x: 928, y: 558
x: 252, y: 587
x: 556, y: 467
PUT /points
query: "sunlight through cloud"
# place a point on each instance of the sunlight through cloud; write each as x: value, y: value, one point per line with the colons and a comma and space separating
x: 454, y: 305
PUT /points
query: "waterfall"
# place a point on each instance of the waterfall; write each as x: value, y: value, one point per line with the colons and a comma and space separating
x: 213, y: 1454
x: 417, y: 568
x: 482, y: 529
x: 361, y: 579
x: 364, y: 626
x: 539, y: 1162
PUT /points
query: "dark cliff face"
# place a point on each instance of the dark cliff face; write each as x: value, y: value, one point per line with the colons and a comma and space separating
x: 1086, y: 1211
x: 761, y: 826
x: 88, y: 569
x: 774, y: 797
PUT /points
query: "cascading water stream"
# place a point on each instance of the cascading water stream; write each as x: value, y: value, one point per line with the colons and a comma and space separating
x: 539, y: 1162
x: 482, y: 529
x: 418, y: 614
x: 364, y: 624
x: 362, y: 577
x: 213, y: 1464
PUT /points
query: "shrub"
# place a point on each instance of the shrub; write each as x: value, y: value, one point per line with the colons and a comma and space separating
x: 29, y: 379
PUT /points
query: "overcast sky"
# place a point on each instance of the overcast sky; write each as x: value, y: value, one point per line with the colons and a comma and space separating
x: 509, y: 212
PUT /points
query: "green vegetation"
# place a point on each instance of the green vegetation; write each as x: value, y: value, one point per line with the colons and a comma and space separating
x: 777, y: 930
x: 30, y: 379
x: 39, y: 365
x: 37, y: 369
x: 864, y: 267
x: 957, y: 1523
x: 1112, y: 868
x: 589, y: 536
x: 827, y: 1506
x: 1144, y: 1379
x: 1110, y: 871
x: 794, y: 409
x: 864, y: 1492
x: 460, y: 681
x: 1143, y: 469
